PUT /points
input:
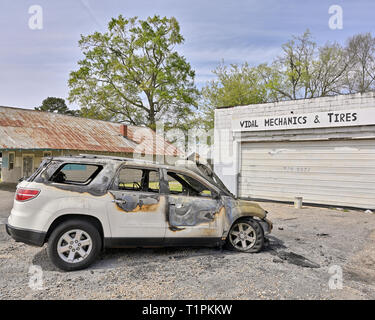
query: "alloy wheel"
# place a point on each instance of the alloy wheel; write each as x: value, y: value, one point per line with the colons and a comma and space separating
x: 74, y: 246
x: 242, y: 236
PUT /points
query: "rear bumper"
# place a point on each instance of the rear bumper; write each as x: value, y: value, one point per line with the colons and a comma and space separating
x: 34, y: 238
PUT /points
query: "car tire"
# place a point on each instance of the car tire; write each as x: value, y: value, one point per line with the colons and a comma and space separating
x: 74, y: 245
x: 245, y: 235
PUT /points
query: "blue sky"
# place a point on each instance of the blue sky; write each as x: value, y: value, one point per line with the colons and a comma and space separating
x: 35, y: 64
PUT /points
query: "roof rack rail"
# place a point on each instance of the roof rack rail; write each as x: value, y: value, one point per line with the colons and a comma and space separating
x: 95, y: 156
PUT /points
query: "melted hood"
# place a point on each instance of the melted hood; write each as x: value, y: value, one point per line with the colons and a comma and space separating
x: 203, y: 168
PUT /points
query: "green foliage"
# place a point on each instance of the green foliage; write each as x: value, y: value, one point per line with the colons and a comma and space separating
x: 361, y: 55
x: 57, y: 105
x: 237, y: 85
x: 294, y: 66
x: 233, y: 86
x: 131, y: 73
x: 303, y: 70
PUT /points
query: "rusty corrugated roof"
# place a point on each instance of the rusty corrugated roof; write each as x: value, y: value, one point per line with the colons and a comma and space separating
x: 30, y: 129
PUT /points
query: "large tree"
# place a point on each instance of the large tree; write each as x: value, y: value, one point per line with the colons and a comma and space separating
x: 360, y: 77
x: 295, y: 67
x: 328, y: 71
x: 233, y: 86
x: 132, y: 73
x: 57, y: 105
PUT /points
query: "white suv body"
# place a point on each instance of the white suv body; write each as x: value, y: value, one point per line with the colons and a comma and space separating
x: 82, y: 204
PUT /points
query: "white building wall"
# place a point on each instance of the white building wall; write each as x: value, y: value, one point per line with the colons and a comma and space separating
x: 227, y: 146
x: 224, y: 158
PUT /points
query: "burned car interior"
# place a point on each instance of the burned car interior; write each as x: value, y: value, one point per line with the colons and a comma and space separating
x: 185, y: 185
x: 148, y: 180
x: 137, y: 179
x: 76, y: 173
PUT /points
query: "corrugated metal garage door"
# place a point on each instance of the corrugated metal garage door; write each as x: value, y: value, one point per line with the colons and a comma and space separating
x: 325, y: 172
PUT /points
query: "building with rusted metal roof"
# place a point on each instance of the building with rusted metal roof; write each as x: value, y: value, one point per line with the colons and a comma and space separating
x: 26, y: 136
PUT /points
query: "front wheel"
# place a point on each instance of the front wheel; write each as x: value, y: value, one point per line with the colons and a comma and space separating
x: 246, y: 235
x: 74, y: 245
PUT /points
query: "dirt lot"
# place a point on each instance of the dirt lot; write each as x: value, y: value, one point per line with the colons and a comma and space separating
x: 304, y: 246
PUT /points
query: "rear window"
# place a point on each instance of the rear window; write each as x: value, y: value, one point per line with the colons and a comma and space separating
x: 76, y: 173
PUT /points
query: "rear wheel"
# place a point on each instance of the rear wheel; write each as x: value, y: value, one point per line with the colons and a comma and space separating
x: 74, y: 245
x: 246, y: 235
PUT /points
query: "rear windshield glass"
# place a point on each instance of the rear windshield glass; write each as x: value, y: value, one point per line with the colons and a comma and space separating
x: 76, y: 173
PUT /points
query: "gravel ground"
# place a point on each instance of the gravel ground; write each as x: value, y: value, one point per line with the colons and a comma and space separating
x: 303, y: 247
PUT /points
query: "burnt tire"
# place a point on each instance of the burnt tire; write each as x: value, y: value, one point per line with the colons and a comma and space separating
x: 245, y: 235
x: 74, y: 245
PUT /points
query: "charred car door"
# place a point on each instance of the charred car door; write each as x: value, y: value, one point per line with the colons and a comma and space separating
x: 195, y: 211
x: 137, y: 210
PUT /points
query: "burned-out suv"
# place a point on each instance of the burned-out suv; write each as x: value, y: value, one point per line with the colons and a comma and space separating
x: 83, y: 204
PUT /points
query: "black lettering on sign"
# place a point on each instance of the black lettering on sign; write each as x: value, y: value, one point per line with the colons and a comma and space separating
x: 330, y: 116
x: 255, y: 123
x: 300, y: 120
x: 249, y: 124
x: 342, y: 117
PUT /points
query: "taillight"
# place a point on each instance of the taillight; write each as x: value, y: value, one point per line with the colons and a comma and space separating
x: 23, y: 194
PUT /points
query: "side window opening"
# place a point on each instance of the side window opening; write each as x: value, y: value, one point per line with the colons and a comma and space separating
x: 185, y: 185
x: 153, y: 181
x: 11, y: 160
x: 130, y: 179
x: 76, y: 173
x: 134, y: 179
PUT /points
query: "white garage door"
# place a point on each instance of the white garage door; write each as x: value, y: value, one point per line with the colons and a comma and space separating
x: 326, y: 172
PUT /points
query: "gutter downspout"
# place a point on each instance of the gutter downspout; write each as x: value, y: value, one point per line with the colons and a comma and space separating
x: 236, y: 164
